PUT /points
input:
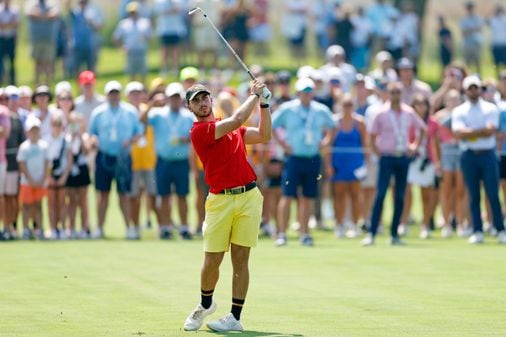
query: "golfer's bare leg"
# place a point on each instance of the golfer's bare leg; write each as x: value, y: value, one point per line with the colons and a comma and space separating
x: 210, y: 270
x: 240, y: 278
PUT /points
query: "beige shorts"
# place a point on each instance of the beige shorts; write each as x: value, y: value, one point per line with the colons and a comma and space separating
x: 11, y: 187
x: 232, y: 219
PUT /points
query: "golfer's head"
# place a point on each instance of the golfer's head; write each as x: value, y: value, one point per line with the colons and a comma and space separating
x: 199, y: 101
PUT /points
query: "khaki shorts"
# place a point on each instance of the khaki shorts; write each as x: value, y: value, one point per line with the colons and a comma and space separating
x: 3, y: 177
x: 232, y: 219
x: 143, y: 179
x: 11, y: 187
x: 44, y: 51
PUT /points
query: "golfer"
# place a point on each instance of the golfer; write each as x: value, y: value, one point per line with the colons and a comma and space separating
x: 234, y: 204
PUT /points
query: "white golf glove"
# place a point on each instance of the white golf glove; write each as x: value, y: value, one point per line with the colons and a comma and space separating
x: 266, y: 96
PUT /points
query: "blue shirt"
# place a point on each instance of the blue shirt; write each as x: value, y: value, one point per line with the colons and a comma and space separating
x: 172, y: 132
x: 304, y: 126
x: 114, y: 126
x: 501, y: 105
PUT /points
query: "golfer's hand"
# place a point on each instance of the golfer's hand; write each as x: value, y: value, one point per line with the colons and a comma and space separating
x: 257, y: 88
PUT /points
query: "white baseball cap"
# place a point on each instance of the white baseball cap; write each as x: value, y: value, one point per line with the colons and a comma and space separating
x: 11, y: 90
x: 25, y: 91
x: 470, y: 81
x: 133, y: 86
x: 62, y: 87
x: 175, y: 88
x: 112, y: 86
x: 305, y: 71
x: 304, y: 85
x: 335, y: 50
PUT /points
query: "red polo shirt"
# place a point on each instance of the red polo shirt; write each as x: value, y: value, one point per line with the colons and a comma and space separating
x: 225, y: 161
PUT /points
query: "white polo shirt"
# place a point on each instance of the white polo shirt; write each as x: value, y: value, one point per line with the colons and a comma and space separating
x: 475, y: 116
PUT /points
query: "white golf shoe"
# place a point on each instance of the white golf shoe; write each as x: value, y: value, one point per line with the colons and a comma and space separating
x: 195, y: 320
x: 226, y: 323
x: 476, y: 238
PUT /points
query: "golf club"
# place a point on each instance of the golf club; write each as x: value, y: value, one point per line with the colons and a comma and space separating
x: 191, y: 12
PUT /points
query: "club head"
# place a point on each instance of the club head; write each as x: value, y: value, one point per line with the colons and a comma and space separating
x: 192, y: 11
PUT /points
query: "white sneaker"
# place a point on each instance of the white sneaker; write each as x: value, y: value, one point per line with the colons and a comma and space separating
x: 281, y: 240
x: 501, y: 237
x: 368, y: 240
x: 339, y: 231
x: 476, y: 238
x: 402, y: 230
x: 98, y: 234
x: 54, y: 234
x: 63, y: 234
x: 446, y: 232
x: 424, y: 234
x: 352, y: 232
x: 227, y: 323
x: 195, y: 320
x: 131, y: 234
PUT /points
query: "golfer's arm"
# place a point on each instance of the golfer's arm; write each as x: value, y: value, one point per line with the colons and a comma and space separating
x: 239, y: 117
x: 263, y: 132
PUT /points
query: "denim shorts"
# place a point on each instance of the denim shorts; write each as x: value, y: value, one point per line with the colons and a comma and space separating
x: 450, y: 157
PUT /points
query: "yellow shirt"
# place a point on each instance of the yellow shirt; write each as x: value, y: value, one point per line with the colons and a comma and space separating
x: 143, y: 151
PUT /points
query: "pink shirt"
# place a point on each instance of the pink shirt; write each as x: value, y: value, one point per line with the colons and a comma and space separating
x: 5, y: 124
x: 392, y: 129
x: 432, y: 129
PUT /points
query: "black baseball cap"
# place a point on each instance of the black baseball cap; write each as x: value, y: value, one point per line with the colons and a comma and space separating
x: 194, y: 90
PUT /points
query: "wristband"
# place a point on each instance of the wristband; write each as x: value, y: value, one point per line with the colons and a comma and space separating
x: 264, y: 106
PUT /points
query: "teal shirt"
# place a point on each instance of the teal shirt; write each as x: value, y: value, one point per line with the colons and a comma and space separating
x: 114, y: 126
x: 304, y: 126
x: 172, y: 132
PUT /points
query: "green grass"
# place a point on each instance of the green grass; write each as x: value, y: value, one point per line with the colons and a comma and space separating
x: 118, y: 288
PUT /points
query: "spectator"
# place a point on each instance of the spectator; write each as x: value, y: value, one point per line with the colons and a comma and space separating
x: 379, y: 14
x: 188, y: 76
x: 336, y: 58
x: 34, y: 168
x: 283, y: 93
x: 410, y: 85
x: 86, y: 21
x: 423, y: 172
x: 446, y: 47
x: 260, y: 27
x: 390, y: 142
x: 25, y: 101
x: 384, y: 68
x: 133, y: 34
x: 345, y: 165
x: 60, y: 163
x: 114, y: 127
x: 90, y: 99
x: 360, y: 40
x: 294, y: 26
x: 501, y: 135
x: 5, y: 128
x: 43, y: 111
x: 409, y: 24
x: 471, y: 26
x: 9, y: 22
x: 143, y: 163
x: 342, y: 28
x: 453, y: 193
x: 44, y: 26
x: 79, y: 176
x: 205, y: 40
x: 16, y: 137
x: 474, y: 124
x: 171, y: 125
x: 362, y: 92
x: 171, y: 30
x: 305, y: 123
x: 497, y: 25
x: 234, y: 19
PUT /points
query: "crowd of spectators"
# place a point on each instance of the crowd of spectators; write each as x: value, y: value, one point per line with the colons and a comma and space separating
x: 73, y: 32
x: 340, y: 130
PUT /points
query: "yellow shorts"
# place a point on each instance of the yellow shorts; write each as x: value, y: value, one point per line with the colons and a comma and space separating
x: 232, y: 219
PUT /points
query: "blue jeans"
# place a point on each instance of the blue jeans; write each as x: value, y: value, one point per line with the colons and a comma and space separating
x: 478, y: 166
x: 388, y: 166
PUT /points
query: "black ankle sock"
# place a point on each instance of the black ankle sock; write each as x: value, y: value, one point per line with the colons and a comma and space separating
x: 206, y: 298
x: 237, y: 308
